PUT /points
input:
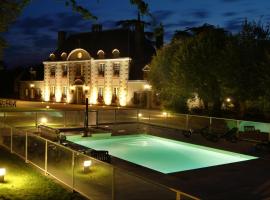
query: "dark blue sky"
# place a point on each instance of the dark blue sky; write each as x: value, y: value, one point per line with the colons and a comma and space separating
x: 33, y: 36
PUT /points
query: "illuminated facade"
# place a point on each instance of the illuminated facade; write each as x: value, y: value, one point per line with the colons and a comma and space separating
x: 107, y: 67
x: 80, y: 76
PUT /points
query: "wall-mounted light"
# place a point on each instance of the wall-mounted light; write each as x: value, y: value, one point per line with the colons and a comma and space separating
x: 2, y: 175
x: 147, y: 87
x: 86, y: 166
x: 32, y: 85
x: 47, y: 107
x: 228, y: 100
x: 139, y: 114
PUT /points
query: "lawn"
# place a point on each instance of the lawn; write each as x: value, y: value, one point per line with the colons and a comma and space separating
x: 24, y: 182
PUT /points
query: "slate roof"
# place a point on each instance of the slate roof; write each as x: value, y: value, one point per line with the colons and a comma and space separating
x: 122, y: 39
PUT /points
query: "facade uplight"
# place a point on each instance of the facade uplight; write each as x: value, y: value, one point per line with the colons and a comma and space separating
x: 147, y: 87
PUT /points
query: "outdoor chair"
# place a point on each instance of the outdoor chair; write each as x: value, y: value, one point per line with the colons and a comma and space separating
x: 209, y: 134
x: 101, y: 155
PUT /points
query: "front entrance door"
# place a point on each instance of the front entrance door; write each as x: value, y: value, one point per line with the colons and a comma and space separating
x: 79, y: 97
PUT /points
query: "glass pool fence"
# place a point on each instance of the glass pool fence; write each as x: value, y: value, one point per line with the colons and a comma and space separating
x: 116, y: 116
x: 90, y: 177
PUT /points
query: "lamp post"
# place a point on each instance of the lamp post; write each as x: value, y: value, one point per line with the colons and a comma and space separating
x: 86, y: 129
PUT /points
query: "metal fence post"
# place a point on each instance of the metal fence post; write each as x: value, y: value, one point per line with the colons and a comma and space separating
x: 113, y: 183
x: 46, y: 157
x: 11, y: 139
x: 210, y: 124
x: 114, y: 116
x: 26, y: 147
x: 36, y: 120
x: 4, y: 117
x: 178, y: 196
x: 65, y: 118
x: 187, y: 121
x: 97, y: 118
x: 73, y: 164
x: 138, y: 111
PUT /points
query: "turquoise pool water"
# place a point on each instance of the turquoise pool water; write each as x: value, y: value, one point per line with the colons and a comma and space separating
x: 163, y: 155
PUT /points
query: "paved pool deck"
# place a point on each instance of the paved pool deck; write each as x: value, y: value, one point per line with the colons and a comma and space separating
x: 242, y: 180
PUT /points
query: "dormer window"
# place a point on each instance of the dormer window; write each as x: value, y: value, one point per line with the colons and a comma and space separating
x: 116, y: 53
x: 116, y: 69
x: 101, y: 54
x: 101, y: 69
x: 52, y: 71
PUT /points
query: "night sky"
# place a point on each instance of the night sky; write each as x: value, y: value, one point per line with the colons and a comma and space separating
x: 33, y: 36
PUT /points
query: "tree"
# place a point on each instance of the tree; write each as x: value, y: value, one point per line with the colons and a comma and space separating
x: 11, y: 9
x: 189, y: 65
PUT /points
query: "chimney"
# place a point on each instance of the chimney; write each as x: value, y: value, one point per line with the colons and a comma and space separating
x: 61, y: 38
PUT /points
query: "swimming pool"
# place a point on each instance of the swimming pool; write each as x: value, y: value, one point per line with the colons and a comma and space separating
x: 160, y: 154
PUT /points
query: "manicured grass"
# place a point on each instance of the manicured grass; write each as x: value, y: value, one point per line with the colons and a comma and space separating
x: 25, y: 182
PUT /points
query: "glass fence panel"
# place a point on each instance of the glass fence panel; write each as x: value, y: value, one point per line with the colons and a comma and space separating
x: 130, y: 187
x: 92, y: 118
x: 36, y: 150
x: 59, y: 162
x: 106, y: 116
x: 5, y: 136
x: 223, y: 125
x: 157, y: 117
x: 175, y: 120
x: 144, y: 116
x: 18, y: 142
x: 54, y: 119
x: 126, y: 115
x: 20, y: 119
x: 198, y: 122
x: 93, y: 178
x: 74, y: 118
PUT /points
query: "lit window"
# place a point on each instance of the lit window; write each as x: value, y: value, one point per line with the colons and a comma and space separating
x: 64, y: 91
x: 78, y: 70
x: 52, y: 91
x: 115, y: 95
x: 116, y: 69
x: 100, y: 95
x: 52, y: 71
x: 101, y: 69
x: 79, y: 55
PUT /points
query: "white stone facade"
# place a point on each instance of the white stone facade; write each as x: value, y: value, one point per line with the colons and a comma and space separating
x: 103, y: 81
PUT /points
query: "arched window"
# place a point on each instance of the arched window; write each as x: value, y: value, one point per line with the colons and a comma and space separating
x: 64, y: 56
x: 101, y: 54
x: 116, y: 53
x: 52, y: 56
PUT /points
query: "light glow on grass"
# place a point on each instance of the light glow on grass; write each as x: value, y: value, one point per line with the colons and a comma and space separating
x: 44, y: 120
x: 2, y: 171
